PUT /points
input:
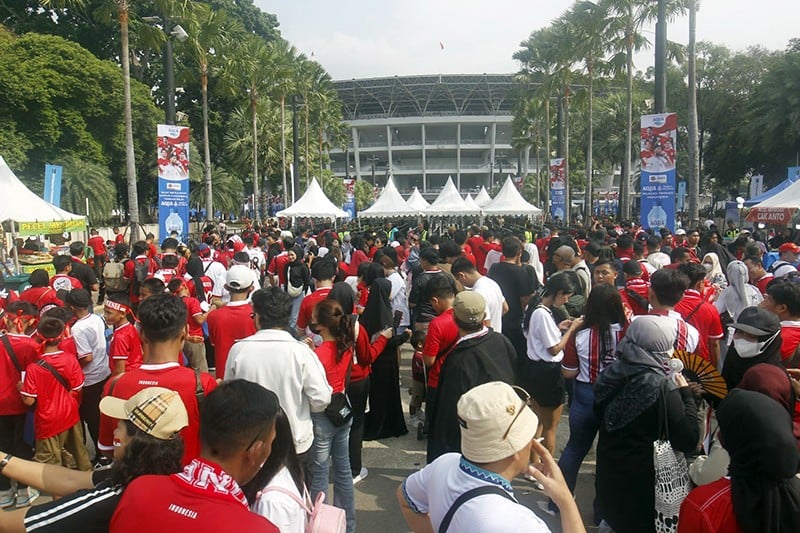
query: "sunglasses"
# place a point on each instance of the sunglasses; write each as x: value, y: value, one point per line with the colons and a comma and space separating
x: 526, y: 402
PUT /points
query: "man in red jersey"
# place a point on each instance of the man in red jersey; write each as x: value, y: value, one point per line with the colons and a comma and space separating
x: 757, y: 273
x: 206, y: 497
x: 783, y: 299
x: 231, y: 322
x: 125, y: 348
x: 696, y: 311
x: 323, y: 270
x: 98, y: 246
x: 119, y: 237
x: 140, y: 263
x: 163, y: 321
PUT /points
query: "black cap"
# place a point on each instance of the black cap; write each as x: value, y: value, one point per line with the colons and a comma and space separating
x: 757, y: 322
x: 632, y: 268
x: 79, y: 298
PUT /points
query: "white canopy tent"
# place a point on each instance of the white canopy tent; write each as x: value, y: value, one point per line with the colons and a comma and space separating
x: 417, y: 202
x: 470, y: 203
x: 450, y: 203
x: 389, y: 204
x: 483, y: 197
x: 778, y: 209
x: 313, y: 204
x: 510, y: 202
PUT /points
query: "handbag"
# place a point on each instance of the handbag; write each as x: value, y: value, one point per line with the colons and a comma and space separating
x: 322, y: 518
x: 672, y: 483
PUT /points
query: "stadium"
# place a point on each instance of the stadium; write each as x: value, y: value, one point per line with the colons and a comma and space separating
x: 422, y: 129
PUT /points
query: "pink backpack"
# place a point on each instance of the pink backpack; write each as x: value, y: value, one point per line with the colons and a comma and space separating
x: 322, y: 518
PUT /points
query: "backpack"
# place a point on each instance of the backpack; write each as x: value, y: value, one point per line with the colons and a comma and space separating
x: 140, y: 273
x: 114, y: 276
x: 322, y: 518
x: 776, y: 265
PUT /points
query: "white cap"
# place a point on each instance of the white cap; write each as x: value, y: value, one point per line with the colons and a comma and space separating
x: 239, y: 277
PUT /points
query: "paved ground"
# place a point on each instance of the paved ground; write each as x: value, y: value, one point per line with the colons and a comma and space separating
x: 389, y: 461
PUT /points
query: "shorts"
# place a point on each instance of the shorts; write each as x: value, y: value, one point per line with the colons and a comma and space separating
x: 417, y: 394
x: 543, y: 381
x: 49, y: 450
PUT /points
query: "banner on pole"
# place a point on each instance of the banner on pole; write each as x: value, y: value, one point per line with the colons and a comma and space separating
x: 52, y: 184
x: 173, y: 181
x: 558, y: 182
x: 681, y: 196
x: 657, y: 183
x: 757, y: 184
x: 349, y: 204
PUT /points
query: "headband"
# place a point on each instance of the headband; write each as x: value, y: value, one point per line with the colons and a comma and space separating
x: 116, y: 306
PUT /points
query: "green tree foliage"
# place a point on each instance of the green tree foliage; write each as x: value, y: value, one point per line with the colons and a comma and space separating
x: 365, y: 195
x: 84, y: 179
x: 333, y: 187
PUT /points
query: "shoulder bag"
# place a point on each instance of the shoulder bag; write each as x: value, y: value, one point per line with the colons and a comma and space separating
x: 467, y: 496
x: 321, y: 517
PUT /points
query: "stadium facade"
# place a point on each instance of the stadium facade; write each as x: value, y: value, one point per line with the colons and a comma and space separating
x: 422, y: 129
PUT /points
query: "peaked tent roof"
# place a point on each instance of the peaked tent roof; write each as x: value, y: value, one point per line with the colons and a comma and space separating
x: 388, y: 204
x: 314, y: 204
x: 417, y: 202
x: 483, y: 197
x: 510, y: 202
x: 33, y: 214
x: 470, y: 203
x: 449, y: 203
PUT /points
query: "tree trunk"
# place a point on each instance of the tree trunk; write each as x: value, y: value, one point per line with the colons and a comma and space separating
x: 308, y: 161
x: 587, y: 195
x: 546, y: 203
x: 130, y: 158
x: 256, y: 192
x: 694, y: 154
x: 625, y: 179
x: 567, y: 198
x: 283, y: 150
x: 206, y: 145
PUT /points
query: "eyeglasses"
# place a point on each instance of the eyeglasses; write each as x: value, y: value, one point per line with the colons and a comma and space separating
x: 526, y: 402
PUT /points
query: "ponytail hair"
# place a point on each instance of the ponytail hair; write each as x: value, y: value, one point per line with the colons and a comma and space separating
x: 340, y: 324
x: 556, y: 283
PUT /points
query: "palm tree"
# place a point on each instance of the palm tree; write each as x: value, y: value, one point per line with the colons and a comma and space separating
x: 228, y: 191
x: 284, y: 56
x: 84, y: 180
x: 694, y: 152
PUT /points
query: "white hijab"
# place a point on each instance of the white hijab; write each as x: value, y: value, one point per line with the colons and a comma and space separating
x: 716, y: 270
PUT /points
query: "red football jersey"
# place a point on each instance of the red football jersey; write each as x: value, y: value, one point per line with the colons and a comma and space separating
x: 227, y: 325
x: 25, y: 352
x: 65, y: 282
x: 193, y: 308
x: 97, y: 244
x: 41, y: 296
x: 170, y: 376
x: 703, y: 316
x: 125, y: 345
x: 56, y: 408
x: 129, y: 273
x: 308, y: 304
x: 442, y: 336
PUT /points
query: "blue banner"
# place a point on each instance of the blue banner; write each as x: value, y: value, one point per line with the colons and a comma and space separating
x: 681, y: 196
x: 173, y: 181
x: 558, y: 182
x: 52, y: 184
x: 658, y: 187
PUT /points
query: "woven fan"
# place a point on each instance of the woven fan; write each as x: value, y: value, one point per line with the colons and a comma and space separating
x: 697, y: 369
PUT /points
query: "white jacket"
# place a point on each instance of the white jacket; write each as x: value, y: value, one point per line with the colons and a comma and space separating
x: 275, y: 360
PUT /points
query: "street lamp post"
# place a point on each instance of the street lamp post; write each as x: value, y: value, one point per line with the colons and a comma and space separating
x: 373, y: 159
x: 169, y: 63
x: 661, y: 59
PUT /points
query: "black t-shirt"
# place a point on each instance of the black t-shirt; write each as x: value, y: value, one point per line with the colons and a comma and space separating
x: 84, y: 274
x: 515, y: 283
x: 84, y: 511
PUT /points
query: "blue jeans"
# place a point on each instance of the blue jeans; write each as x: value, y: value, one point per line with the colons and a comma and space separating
x: 296, y: 301
x: 583, y: 427
x: 332, y: 443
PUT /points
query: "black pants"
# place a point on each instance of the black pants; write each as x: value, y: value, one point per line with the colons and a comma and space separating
x: 99, y: 262
x: 90, y: 409
x: 11, y: 441
x: 357, y: 391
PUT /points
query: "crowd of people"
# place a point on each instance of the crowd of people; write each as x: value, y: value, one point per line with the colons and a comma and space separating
x: 227, y: 381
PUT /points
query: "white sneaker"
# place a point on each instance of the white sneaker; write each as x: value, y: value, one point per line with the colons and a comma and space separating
x: 362, y: 475
x: 7, y: 498
x: 25, y: 497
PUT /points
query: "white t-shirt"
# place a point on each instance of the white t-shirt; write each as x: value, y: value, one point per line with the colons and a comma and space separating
x: 492, y: 257
x: 89, y: 334
x: 280, y: 508
x: 435, y: 488
x: 257, y: 255
x: 658, y: 259
x: 398, y: 298
x: 543, y: 333
x: 491, y: 292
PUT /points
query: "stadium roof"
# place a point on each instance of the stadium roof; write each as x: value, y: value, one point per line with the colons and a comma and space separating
x: 422, y: 96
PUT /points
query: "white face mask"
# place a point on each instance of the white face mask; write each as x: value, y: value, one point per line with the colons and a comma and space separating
x: 748, y: 349
x: 708, y: 266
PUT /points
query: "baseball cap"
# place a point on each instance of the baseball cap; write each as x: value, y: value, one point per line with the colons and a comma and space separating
x: 203, y: 250
x: 757, y: 321
x: 495, y: 421
x: 789, y: 247
x: 469, y: 307
x: 680, y: 231
x: 157, y: 411
x: 239, y: 277
x: 80, y: 298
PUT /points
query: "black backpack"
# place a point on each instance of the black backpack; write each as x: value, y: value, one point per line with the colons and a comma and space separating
x: 140, y: 273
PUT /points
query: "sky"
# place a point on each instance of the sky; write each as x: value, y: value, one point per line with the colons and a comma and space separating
x: 376, y: 38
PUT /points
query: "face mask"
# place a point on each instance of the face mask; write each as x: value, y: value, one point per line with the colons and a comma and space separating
x: 748, y: 349
x: 708, y: 266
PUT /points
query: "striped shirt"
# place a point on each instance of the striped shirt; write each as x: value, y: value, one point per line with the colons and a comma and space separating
x: 585, y: 354
x: 85, y: 511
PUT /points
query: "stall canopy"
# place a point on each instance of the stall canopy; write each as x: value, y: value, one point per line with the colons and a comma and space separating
x: 32, y: 215
x: 416, y: 201
x: 510, y: 202
x: 313, y: 204
x: 778, y: 209
x: 388, y: 205
x: 483, y: 197
x: 450, y: 203
x: 471, y: 204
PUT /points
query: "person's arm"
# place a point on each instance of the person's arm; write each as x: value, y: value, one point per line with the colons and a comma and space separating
x: 574, y: 325
x: 547, y: 472
x: 713, y: 352
x: 684, y: 430
x: 505, y: 307
x: 315, y: 384
x: 118, y: 366
x: 418, y: 522
x: 55, y: 480
x: 366, y: 353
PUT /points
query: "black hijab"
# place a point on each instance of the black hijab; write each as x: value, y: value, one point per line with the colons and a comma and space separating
x: 757, y: 433
x: 343, y: 293
x: 377, y: 315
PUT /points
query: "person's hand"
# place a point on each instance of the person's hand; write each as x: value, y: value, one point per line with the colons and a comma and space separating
x: 577, y: 323
x: 794, y: 373
x: 547, y: 473
x: 387, y: 333
x: 565, y: 324
x: 696, y: 389
x: 309, y: 342
x: 680, y: 381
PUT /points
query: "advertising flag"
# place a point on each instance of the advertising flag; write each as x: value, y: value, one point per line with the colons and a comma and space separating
x: 757, y: 184
x: 349, y: 204
x: 52, y: 184
x: 558, y: 183
x: 173, y: 181
x: 658, y: 194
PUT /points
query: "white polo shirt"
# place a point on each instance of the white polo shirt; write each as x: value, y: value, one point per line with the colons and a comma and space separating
x: 491, y: 292
x: 435, y: 488
x: 543, y: 333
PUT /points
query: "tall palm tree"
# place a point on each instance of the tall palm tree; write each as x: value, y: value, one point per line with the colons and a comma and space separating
x: 84, y: 180
x: 284, y: 56
x: 694, y: 152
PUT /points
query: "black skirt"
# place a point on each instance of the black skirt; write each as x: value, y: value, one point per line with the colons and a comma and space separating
x: 543, y: 381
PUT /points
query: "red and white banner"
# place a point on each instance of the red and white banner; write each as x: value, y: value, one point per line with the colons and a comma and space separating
x: 771, y: 215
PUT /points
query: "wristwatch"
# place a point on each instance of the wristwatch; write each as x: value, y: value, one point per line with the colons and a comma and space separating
x: 5, y: 461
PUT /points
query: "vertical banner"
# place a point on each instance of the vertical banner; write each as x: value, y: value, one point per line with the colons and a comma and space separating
x: 757, y: 184
x: 173, y: 181
x: 349, y: 204
x: 518, y: 181
x: 681, y: 196
x: 52, y: 184
x: 658, y: 141
x: 558, y: 199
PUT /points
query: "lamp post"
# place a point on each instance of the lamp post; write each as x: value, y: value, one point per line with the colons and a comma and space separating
x: 661, y: 59
x: 169, y: 64
x: 740, y: 206
x: 373, y: 159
